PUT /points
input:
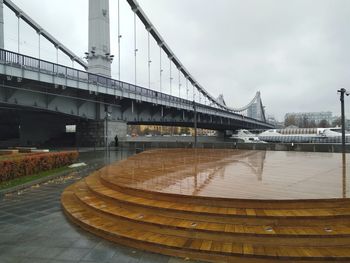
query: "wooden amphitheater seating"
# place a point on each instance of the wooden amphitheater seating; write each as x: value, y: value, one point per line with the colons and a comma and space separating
x: 212, y: 233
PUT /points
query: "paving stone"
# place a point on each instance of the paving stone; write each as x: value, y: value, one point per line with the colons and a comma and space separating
x: 7, y: 228
x: 73, y: 254
x: 126, y: 255
x: 154, y: 258
x: 85, y: 243
x: 47, y: 252
x: 66, y: 261
x: 9, y: 259
x: 9, y: 238
x: 22, y: 251
x: 19, y: 212
x: 34, y: 229
x: 33, y: 260
x: 4, y: 249
x: 99, y: 255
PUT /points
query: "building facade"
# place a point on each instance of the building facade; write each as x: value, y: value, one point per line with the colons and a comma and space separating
x: 316, y: 117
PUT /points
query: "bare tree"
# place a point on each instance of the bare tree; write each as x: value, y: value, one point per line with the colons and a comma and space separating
x: 323, y: 124
x: 312, y: 124
x: 304, y: 122
x: 290, y: 120
x: 336, y: 122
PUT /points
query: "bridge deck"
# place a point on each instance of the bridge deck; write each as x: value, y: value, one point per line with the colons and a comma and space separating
x: 17, y: 68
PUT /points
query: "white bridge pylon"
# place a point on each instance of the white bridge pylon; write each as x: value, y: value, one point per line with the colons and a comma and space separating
x: 99, y: 56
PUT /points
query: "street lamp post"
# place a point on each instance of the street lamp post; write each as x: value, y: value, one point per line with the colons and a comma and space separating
x: 107, y: 115
x: 195, y: 124
x: 106, y: 131
x: 343, y: 91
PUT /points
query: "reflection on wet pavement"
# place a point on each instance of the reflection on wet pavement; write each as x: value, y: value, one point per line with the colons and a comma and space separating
x: 34, y: 229
x: 234, y: 173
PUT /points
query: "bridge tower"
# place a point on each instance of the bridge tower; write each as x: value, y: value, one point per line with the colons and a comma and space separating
x: 99, y: 54
x: 103, y: 129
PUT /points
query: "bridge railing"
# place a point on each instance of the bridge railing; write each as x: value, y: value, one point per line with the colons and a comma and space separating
x: 71, y: 73
x: 34, y: 64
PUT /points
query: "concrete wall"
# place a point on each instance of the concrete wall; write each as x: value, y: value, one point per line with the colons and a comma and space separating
x: 93, y: 133
x: 116, y: 128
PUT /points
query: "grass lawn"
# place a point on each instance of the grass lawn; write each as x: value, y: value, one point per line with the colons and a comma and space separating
x: 30, y: 178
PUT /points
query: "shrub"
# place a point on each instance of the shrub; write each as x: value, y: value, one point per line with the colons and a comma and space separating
x: 36, y: 163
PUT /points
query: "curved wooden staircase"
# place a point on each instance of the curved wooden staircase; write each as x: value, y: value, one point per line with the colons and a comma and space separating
x: 211, y: 229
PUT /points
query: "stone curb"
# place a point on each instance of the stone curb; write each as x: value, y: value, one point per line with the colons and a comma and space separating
x: 39, y: 181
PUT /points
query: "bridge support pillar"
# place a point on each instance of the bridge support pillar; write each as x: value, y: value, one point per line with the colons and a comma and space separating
x: 93, y: 133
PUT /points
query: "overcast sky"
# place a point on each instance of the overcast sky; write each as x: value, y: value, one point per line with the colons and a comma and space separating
x: 295, y: 52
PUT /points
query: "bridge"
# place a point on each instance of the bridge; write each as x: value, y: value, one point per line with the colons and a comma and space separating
x: 46, y: 96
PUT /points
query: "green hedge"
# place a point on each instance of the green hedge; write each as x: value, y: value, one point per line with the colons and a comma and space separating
x: 32, y: 164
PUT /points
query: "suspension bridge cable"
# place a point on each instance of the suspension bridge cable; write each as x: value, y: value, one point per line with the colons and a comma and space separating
x: 193, y: 93
x: 57, y: 55
x: 39, y: 44
x: 149, y: 60
x: 179, y: 82
x: 135, y: 46
x: 160, y: 69
x: 18, y: 33
x: 187, y: 88
x: 119, y: 38
x: 171, y: 78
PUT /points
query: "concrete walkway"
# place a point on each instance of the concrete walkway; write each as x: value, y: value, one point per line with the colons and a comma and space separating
x: 34, y: 229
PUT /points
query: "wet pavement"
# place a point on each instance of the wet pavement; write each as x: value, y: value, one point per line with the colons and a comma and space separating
x: 34, y: 229
x: 242, y: 174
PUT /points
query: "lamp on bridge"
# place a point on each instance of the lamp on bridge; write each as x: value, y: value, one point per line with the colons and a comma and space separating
x: 109, y: 57
x: 343, y: 91
x: 87, y: 54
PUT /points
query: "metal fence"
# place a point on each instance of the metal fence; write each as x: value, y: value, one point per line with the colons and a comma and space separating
x: 303, y: 139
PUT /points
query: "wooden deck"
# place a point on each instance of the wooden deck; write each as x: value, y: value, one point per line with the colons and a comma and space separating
x: 208, y: 228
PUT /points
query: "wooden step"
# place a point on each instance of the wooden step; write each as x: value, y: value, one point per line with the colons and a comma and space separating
x: 299, y: 204
x: 325, y: 216
x: 120, y: 231
x: 216, y: 230
x: 133, y: 203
